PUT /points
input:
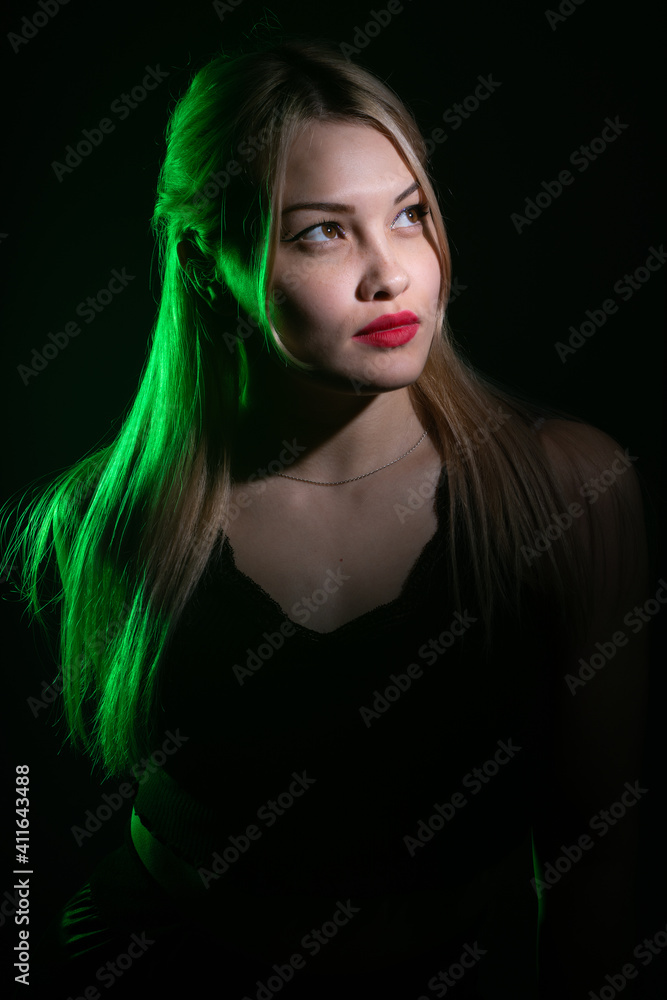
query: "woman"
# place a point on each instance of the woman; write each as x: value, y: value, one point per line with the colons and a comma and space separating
x: 332, y: 582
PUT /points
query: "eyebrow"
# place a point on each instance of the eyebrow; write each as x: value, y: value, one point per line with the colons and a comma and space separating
x: 335, y: 206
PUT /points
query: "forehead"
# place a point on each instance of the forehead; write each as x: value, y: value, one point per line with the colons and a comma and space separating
x: 344, y: 158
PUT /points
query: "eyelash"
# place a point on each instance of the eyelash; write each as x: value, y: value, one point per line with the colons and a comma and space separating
x: 421, y: 208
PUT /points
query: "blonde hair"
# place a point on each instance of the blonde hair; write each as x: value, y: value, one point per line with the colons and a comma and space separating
x: 136, y: 522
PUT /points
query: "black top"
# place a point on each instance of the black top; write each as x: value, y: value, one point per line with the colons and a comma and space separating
x: 366, y: 738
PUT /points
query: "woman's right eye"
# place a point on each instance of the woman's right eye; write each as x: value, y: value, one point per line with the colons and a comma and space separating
x: 322, y: 232
x: 325, y: 229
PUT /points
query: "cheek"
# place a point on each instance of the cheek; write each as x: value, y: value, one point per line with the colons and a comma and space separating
x: 293, y: 319
x: 303, y: 296
x: 432, y: 281
x: 297, y: 274
x: 431, y: 266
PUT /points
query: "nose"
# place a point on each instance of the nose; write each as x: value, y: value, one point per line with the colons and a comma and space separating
x: 383, y: 276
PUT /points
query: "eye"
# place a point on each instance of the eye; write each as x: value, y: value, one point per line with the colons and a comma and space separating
x: 322, y: 232
x: 411, y: 216
x: 329, y: 231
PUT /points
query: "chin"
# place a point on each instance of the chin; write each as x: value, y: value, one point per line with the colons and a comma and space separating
x: 385, y: 372
x: 359, y: 387
x: 365, y: 383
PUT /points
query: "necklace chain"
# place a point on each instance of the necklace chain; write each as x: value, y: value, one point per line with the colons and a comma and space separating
x: 316, y: 482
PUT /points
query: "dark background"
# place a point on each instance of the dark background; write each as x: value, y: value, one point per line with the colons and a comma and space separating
x: 60, y: 240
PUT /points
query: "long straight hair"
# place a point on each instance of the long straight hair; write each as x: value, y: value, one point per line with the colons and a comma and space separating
x: 135, y: 523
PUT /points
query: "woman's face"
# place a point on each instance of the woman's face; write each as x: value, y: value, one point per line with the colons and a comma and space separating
x: 356, y: 245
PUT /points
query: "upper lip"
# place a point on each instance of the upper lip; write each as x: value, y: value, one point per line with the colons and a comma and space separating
x: 389, y: 321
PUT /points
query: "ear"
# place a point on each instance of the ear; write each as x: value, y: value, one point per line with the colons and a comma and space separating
x: 210, y: 292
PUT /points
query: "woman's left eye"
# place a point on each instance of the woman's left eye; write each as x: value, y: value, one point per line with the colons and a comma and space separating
x: 411, y: 216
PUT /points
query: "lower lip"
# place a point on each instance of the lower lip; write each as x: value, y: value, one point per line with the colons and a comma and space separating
x: 389, y: 338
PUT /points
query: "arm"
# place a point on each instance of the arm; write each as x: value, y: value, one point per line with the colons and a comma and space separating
x: 588, y: 930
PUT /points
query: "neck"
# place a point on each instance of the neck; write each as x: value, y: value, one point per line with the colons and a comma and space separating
x: 336, y: 434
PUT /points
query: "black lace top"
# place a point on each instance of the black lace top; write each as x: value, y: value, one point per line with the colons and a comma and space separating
x: 390, y: 755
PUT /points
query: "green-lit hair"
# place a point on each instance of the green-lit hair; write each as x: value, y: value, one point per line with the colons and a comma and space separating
x: 135, y: 522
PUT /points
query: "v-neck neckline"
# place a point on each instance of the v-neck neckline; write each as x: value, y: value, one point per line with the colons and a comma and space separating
x: 380, y: 610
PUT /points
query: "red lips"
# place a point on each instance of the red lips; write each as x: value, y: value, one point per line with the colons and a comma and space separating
x: 390, y: 321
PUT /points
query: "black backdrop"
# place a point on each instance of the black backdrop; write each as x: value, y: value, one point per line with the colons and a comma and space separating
x: 557, y: 74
